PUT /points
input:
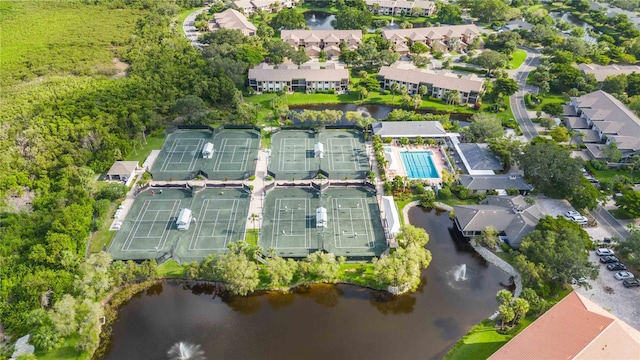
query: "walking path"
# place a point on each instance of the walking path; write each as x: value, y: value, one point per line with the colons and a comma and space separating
x: 189, y: 28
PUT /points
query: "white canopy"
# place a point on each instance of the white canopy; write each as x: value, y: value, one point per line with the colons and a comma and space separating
x: 319, y: 150
x: 391, y: 214
x: 184, y: 219
x: 321, y: 217
x: 207, y: 151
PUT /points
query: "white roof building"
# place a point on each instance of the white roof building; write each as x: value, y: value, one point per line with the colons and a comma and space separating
x: 184, y: 219
x: 321, y: 217
x: 207, y: 151
x: 392, y: 216
x: 319, y: 150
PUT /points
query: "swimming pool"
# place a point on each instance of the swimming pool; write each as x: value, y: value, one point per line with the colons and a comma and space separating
x: 419, y: 164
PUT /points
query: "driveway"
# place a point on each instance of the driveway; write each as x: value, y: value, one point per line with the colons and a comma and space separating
x: 609, y: 293
x: 558, y: 207
x: 516, y: 100
x: 189, y: 27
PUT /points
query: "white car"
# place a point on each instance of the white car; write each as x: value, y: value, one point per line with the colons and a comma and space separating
x: 604, y: 252
x: 623, y: 275
x: 571, y: 213
x: 579, y: 219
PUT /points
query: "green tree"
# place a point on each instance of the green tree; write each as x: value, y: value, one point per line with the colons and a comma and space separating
x: 279, y: 271
x: 395, y: 89
x: 520, y: 309
x: 505, y: 86
x: 353, y: 18
x: 559, y: 134
x: 428, y: 199
x: 321, y: 266
x: 550, y: 168
x: 491, y: 60
x: 506, y: 149
x: 190, y: 106
x: 585, y: 195
x: 484, y: 126
x: 63, y: 316
x: 629, y: 202
x: 489, y: 237
x: 288, y: 19
x: 450, y: 14
x: 419, y: 48
x: 299, y: 57
x: 237, y: 271
x: 629, y: 249
x: 611, y: 152
x: 553, y: 109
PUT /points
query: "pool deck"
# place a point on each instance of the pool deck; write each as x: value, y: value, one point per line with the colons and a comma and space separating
x: 438, y: 160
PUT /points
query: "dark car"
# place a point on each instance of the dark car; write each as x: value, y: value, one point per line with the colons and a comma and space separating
x: 616, y: 266
x: 609, y: 259
x: 631, y: 283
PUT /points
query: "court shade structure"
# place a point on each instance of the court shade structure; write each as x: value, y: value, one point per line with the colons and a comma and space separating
x: 184, y: 219
x: 319, y: 150
x: 207, y: 151
x: 321, y: 217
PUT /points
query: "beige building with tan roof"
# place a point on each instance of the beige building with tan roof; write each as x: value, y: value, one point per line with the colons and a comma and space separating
x: 315, y: 41
x: 267, y: 78
x: 575, y: 328
x: 441, y: 38
x: 232, y: 19
x: 469, y: 87
x: 400, y: 7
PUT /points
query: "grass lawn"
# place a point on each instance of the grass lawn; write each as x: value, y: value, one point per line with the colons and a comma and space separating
x: 60, y: 37
x: 481, y: 341
x: 608, y: 174
x: 358, y: 274
x: 453, y: 200
x: 102, y: 238
x: 141, y: 153
x: 67, y: 351
x: 251, y: 237
x: 170, y: 268
x: 518, y: 57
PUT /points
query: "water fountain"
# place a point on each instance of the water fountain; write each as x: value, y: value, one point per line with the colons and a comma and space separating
x: 185, y: 351
x: 460, y: 272
x: 313, y: 18
x: 363, y: 111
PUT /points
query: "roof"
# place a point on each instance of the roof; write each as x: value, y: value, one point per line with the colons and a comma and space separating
x: 123, y: 167
x: 317, y: 35
x: 509, y: 214
x: 479, y: 157
x: 398, y: 129
x: 434, y: 32
x: 266, y: 72
x: 232, y: 19
x: 602, y: 71
x: 574, y: 328
x: 611, y: 117
x: 391, y: 214
x: 517, y: 24
x: 494, y: 182
x: 443, y: 80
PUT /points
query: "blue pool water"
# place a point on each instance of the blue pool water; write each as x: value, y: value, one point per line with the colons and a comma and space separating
x: 419, y: 164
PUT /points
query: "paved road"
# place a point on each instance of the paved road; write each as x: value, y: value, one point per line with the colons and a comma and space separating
x: 189, y: 27
x: 517, y: 100
x: 607, y: 221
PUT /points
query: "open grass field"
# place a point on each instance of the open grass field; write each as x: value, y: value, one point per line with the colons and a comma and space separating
x: 58, y: 37
x: 518, y: 57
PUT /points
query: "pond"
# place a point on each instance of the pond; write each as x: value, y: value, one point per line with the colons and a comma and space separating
x: 319, y: 20
x: 321, y: 321
x: 371, y: 110
x: 574, y: 21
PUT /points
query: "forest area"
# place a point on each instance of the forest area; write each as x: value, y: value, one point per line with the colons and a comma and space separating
x: 65, y: 119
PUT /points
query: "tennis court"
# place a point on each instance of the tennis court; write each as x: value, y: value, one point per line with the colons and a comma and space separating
x: 293, y: 154
x: 354, y: 228
x: 346, y: 154
x: 233, y: 158
x: 150, y: 232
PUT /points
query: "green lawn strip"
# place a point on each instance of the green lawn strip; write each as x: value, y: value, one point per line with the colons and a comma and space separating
x: 620, y: 214
x: 518, y: 57
x: 608, y: 174
x: 102, y: 238
x: 153, y: 143
x: 182, y: 16
x: 251, y: 237
x: 358, y: 274
x: 479, y: 343
x: 79, y: 40
x: 67, y: 351
x: 551, y: 99
x: 453, y: 200
x: 170, y: 268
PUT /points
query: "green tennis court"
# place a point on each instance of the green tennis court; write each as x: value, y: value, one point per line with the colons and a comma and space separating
x: 354, y: 228
x: 182, y: 156
x: 293, y: 154
x: 149, y: 231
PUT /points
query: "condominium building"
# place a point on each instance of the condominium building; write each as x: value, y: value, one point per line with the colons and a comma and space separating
x: 440, y: 38
x: 265, y: 77
x: 248, y: 7
x: 400, y: 7
x: 315, y: 41
x: 232, y: 19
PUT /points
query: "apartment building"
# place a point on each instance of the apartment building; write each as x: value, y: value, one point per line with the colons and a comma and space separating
x: 440, y: 38
x: 265, y: 77
x: 315, y: 41
x: 400, y: 7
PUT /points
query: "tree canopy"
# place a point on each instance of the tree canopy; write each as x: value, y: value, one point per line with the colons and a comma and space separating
x: 550, y: 168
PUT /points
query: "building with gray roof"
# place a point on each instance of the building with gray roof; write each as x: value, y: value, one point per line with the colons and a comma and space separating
x: 409, y: 129
x: 479, y: 159
x: 606, y: 121
x: 469, y: 87
x: 500, y: 183
x: 601, y: 72
x: 511, y: 216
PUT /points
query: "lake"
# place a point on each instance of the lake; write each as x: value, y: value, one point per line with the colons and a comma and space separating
x: 319, y: 20
x: 320, y: 321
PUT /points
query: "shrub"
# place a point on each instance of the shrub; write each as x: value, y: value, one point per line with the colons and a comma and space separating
x: 444, y: 193
x: 252, y: 177
x: 111, y: 191
x: 599, y: 164
x: 505, y: 247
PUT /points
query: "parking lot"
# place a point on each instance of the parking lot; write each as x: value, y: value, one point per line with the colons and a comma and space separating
x: 558, y: 207
x: 609, y: 293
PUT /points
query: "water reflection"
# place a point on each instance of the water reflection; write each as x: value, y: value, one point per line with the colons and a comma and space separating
x: 319, y: 20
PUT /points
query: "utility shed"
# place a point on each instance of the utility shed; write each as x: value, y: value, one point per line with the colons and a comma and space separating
x: 184, y: 219
x: 318, y: 150
x: 207, y: 151
x: 321, y: 217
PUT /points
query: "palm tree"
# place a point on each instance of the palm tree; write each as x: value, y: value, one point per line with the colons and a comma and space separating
x: 254, y: 217
x: 394, y: 90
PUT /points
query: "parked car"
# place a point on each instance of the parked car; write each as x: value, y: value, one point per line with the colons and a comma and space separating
x: 616, y: 266
x: 631, y: 283
x: 604, y: 252
x: 571, y: 213
x: 579, y: 219
x: 609, y: 259
x: 623, y: 275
